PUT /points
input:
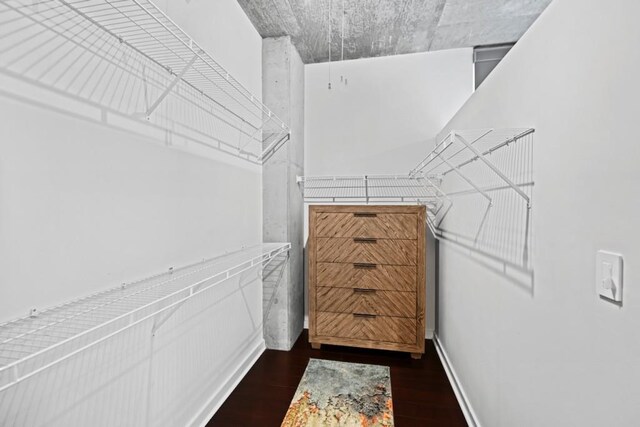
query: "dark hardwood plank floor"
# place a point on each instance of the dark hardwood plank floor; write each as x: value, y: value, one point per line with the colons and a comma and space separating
x: 422, y: 395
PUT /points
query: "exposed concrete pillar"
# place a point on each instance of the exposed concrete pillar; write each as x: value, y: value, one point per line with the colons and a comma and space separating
x: 283, y: 93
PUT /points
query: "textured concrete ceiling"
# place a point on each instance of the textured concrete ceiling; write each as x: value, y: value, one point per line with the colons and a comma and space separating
x: 391, y: 27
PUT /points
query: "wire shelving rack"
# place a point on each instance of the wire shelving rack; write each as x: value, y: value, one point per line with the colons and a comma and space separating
x: 463, y: 148
x: 38, y: 342
x: 378, y: 189
x: 456, y: 157
x: 368, y: 188
x: 128, y: 57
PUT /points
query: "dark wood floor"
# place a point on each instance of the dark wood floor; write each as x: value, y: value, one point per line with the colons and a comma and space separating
x: 422, y: 395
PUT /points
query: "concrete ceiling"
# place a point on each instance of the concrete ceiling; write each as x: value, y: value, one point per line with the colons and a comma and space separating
x: 391, y: 27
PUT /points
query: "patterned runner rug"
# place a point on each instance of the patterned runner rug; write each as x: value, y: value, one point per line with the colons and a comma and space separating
x: 342, y: 394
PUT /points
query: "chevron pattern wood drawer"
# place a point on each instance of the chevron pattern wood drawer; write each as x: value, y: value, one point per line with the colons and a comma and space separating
x: 366, y: 301
x: 392, y: 330
x: 367, y: 250
x: 367, y: 276
x: 365, y: 224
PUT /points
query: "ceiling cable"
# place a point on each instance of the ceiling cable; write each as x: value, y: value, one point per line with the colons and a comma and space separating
x: 343, y: 13
x: 330, y: 1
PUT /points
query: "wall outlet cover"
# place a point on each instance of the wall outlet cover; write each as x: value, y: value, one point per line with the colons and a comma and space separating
x: 609, y: 275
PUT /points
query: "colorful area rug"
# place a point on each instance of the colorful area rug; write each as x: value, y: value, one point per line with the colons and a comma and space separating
x: 342, y: 394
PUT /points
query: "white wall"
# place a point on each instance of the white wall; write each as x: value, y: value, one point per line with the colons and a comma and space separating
x: 85, y: 206
x: 555, y: 354
x: 223, y: 29
x: 382, y: 120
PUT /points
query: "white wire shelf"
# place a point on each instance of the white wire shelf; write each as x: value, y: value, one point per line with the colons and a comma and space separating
x: 129, y: 57
x: 378, y: 189
x: 33, y: 344
x: 369, y: 188
x: 466, y: 154
x: 460, y: 149
x: 488, y: 175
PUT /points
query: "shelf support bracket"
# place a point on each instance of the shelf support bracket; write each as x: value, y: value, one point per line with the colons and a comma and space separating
x: 157, y: 324
x: 366, y: 189
x: 444, y: 214
x: 432, y: 228
x: 169, y: 88
x: 273, y: 147
x: 443, y: 198
x: 267, y: 312
x: 271, y: 259
x: 16, y: 375
x: 463, y: 176
x: 495, y: 169
x: 241, y: 146
x: 159, y: 321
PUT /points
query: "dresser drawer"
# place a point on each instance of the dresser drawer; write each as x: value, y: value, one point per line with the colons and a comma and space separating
x: 367, y: 224
x: 374, y: 328
x: 365, y: 250
x: 366, y: 276
x: 366, y: 301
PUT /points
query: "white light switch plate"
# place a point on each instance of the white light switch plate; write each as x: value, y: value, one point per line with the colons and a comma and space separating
x: 609, y: 275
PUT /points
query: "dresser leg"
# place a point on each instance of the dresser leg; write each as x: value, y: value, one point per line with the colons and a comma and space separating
x: 416, y: 355
x: 316, y: 345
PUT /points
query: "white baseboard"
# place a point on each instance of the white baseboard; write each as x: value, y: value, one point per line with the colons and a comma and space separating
x: 465, y: 405
x: 222, y: 393
x: 306, y: 321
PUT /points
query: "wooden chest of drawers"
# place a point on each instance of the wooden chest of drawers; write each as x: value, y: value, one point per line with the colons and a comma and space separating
x: 367, y: 277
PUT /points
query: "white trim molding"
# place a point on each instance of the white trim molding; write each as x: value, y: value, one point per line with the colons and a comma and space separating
x: 469, y: 414
x: 221, y: 394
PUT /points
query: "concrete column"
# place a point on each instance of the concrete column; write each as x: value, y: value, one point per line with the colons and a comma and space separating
x: 283, y: 93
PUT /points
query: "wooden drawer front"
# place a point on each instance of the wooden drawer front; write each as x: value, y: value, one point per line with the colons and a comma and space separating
x: 379, y: 328
x: 354, y: 250
x: 372, y: 276
x: 365, y: 224
x: 366, y: 301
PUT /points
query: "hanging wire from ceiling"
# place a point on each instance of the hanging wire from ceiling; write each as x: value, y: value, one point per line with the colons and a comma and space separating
x: 330, y: 34
x: 343, y: 79
x: 342, y: 36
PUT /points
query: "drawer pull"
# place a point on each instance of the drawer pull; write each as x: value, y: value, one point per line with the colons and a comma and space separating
x: 365, y: 240
x: 365, y: 214
x: 364, y: 265
x: 364, y: 291
x: 364, y: 316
